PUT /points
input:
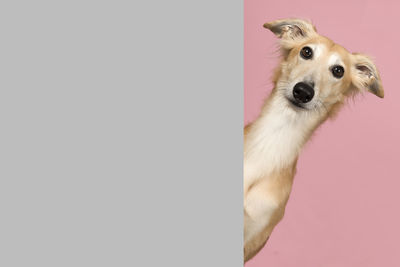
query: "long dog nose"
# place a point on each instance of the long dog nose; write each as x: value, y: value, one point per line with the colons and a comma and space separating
x: 303, y: 92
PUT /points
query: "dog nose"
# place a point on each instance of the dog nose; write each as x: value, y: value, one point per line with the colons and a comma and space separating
x: 303, y: 92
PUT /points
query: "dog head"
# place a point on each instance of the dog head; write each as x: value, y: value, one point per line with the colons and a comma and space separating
x: 317, y: 74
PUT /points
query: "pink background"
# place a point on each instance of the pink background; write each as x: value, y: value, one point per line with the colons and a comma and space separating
x: 344, y: 207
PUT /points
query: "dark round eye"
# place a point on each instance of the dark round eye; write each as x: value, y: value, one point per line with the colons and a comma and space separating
x: 338, y: 71
x: 306, y: 52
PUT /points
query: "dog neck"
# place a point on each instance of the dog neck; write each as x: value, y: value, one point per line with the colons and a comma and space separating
x: 276, y: 137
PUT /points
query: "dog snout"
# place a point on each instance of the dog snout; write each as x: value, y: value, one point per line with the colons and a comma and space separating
x: 303, y: 92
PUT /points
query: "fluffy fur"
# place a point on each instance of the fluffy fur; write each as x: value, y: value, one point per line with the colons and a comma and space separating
x: 272, y: 143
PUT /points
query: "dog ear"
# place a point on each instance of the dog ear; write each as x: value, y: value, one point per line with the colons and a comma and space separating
x: 365, y: 75
x: 291, y: 31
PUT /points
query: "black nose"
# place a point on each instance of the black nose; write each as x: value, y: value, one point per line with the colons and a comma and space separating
x: 303, y: 92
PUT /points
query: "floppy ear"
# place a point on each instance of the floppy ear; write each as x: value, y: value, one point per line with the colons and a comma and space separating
x: 365, y: 75
x: 291, y: 31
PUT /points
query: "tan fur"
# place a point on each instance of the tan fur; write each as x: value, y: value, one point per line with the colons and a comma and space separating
x: 267, y: 185
x: 279, y: 187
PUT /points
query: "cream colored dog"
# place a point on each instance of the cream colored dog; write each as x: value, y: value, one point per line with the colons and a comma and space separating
x: 311, y: 83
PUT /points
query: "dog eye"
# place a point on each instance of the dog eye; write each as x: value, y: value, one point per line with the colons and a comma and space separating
x: 306, y: 52
x: 338, y: 71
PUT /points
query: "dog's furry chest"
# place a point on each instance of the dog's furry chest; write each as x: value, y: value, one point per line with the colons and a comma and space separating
x: 268, y: 179
x: 273, y: 142
x: 271, y: 149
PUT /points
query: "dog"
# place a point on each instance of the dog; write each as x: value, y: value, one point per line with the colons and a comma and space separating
x: 311, y: 84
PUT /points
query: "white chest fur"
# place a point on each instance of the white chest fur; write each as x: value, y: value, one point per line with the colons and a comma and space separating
x: 273, y: 144
x: 275, y: 141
